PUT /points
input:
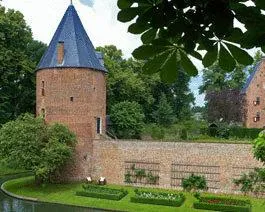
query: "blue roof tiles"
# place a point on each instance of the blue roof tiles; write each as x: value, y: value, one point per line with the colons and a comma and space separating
x: 79, y: 51
x: 251, y: 76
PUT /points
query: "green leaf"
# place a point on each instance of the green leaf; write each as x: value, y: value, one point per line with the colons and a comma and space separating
x: 147, y: 51
x: 137, y: 28
x: 240, y: 55
x: 123, y: 4
x: 168, y: 72
x: 235, y: 36
x: 210, y: 57
x: 187, y: 65
x: 161, y: 42
x: 260, y: 4
x: 197, y: 55
x: 149, y: 36
x: 155, y: 64
x: 226, y: 61
x: 128, y: 14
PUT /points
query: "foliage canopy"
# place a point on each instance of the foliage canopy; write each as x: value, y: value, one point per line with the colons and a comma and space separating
x: 173, y: 29
x: 127, y: 118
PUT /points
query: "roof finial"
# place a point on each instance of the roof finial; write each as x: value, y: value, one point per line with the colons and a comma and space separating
x: 71, y: 2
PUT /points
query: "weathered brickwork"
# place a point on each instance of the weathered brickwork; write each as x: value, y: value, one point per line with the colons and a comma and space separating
x: 75, y: 97
x: 252, y: 108
x: 219, y: 163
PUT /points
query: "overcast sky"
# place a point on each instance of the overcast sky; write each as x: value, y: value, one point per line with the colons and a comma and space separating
x: 99, y: 18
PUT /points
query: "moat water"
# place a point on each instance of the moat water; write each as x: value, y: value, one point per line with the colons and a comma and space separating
x: 10, y: 204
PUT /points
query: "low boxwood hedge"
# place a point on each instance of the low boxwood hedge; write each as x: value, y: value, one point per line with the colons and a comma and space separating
x: 158, y: 198
x: 222, y: 204
x: 102, y: 192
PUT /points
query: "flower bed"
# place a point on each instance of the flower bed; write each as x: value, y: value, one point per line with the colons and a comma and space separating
x: 158, y: 198
x: 102, y: 192
x: 222, y: 204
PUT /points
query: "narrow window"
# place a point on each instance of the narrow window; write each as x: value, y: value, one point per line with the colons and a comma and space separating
x: 257, y: 117
x: 42, y: 88
x: 99, y: 130
x: 71, y: 99
x: 258, y: 100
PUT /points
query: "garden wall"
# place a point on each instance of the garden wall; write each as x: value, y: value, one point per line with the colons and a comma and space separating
x: 172, y: 161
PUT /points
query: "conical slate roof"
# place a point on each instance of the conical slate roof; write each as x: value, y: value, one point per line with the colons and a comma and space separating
x: 79, y: 51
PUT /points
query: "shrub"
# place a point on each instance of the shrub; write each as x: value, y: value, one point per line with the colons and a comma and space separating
x: 222, y: 204
x: 168, y: 199
x: 259, y: 147
x: 252, y: 182
x: 96, y: 191
x: 31, y: 144
x: 194, y: 183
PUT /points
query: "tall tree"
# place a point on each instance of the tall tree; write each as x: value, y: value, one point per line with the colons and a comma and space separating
x: 19, y: 55
x: 163, y: 114
x: 126, y: 82
x: 217, y: 79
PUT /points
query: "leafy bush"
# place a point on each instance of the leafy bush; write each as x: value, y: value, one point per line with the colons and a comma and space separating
x: 259, y: 147
x: 252, y: 182
x: 158, y: 198
x: 194, y: 183
x: 96, y: 191
x: 30, y: 144
x: 222, y: 204
x: 127, y: 119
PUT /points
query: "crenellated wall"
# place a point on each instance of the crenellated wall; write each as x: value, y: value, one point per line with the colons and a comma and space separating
x: 172, y: 161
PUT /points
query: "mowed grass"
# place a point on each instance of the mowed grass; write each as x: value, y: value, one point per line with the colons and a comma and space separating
x: 65, y: 194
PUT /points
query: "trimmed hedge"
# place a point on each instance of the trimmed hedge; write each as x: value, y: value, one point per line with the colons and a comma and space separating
x: 240, y: 132
x: 157, y: 201
x: 223, y: 204
x: 102, y: 192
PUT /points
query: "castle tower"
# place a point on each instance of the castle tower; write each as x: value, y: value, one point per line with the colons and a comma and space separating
x: 71, y: 89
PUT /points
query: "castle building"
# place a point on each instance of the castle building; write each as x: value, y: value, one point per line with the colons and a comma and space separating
x: 71, y: 88
x: 253, y: 94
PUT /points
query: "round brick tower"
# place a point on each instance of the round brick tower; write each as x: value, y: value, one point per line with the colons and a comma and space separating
x: 71, y: 89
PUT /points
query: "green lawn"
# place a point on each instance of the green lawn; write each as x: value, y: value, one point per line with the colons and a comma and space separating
x: 4, y: 170
x: 66, y: 194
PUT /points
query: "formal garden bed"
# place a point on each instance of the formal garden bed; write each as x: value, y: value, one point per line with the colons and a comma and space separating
x: 158, y: 198
x: 97, y: 191
x: 222, y: 204
x: 66, y: 194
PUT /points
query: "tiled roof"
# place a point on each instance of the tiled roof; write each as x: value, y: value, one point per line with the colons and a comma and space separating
x: 251, y: 76
x: 78, y: 49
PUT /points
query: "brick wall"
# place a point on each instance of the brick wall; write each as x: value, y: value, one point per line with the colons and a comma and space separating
x: 256, y: 89
x: 74, y: 97
x: 219, y: 163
